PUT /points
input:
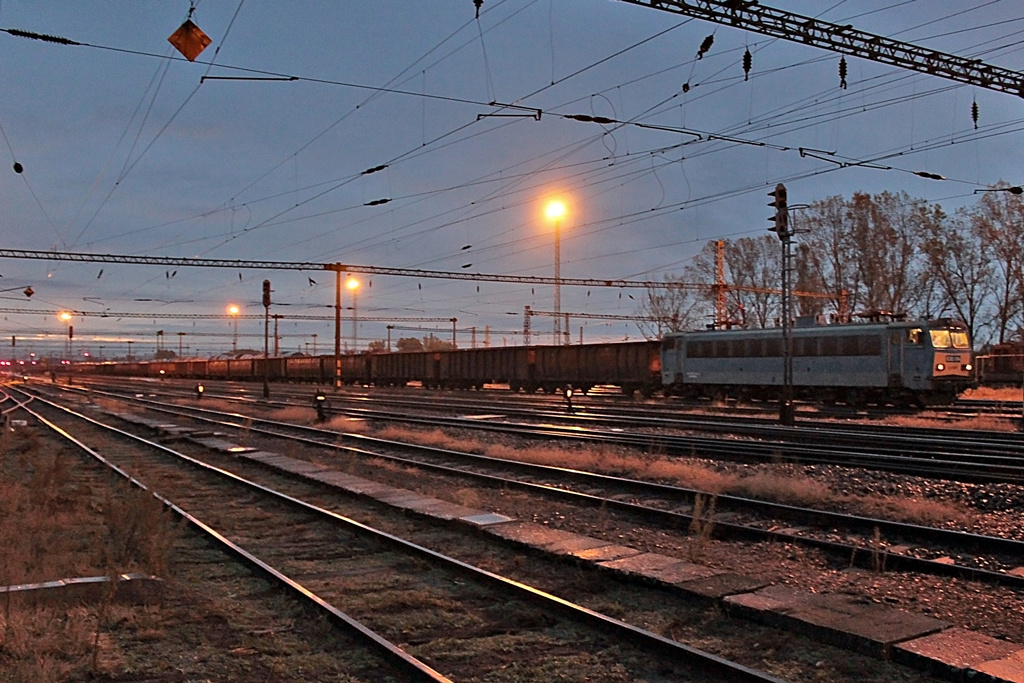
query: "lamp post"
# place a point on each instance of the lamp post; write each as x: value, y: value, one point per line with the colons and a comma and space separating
x: 353, y: 286
x: 555, y: 211
x: 233, y: 311
x: 66, y: 317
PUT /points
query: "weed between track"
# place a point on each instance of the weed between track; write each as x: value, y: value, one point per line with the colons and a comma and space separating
x: 788, y: 489
x: 45, y: 537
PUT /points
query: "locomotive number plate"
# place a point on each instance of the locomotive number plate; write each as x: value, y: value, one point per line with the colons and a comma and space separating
x: 952, y: 359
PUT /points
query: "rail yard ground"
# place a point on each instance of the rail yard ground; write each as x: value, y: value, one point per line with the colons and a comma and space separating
x: 218, y: 622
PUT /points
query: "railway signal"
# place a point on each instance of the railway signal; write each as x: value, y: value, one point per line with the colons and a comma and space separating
x: 266, y: 336
x: 781, y: 217
x: 319, y: 401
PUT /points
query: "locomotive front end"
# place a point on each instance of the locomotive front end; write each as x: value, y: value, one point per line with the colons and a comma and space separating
x: 952, y: 368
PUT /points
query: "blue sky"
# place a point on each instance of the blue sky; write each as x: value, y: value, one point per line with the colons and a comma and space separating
x: 126, y: 151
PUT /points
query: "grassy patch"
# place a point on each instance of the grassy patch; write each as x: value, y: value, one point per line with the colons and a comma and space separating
x: 990, y: 394
x: 54, y: 526
x: 985, y: 423
x: 791, y: 490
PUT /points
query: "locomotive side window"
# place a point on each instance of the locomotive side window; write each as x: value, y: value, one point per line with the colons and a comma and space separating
x: 914, y: 336
x: 805, y: 346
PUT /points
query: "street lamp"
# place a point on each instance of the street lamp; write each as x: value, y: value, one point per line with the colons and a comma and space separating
x: 66, y: 318
x: 555, y: 212
x: 353, y: 286
x: 233, y: 311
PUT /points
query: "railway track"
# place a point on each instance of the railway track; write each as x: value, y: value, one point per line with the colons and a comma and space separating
x: 325, y: 553
x: 867, y: 542
x: 959, y: 455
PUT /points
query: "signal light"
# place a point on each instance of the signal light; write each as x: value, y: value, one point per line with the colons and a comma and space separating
x: 266, y: 294
x: 781, y: 217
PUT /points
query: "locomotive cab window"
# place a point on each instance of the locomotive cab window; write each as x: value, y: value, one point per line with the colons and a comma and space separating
x: 941, y: 339
x: 915, y: 336
x: 950, y: 339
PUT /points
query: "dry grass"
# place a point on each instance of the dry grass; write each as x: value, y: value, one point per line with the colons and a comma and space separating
x: 982, y: 423
x: 990, y: 394
x: 341, y: 423
x: 790, y: 490
x: 52, y: 527
x: 293, y: 414
x: 112, y: 406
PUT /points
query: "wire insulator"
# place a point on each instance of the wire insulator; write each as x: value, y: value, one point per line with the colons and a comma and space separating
x: 705, y: 46
x: 748, y: 61
x: 974, y: 113
x: 587, y: 118
x: 842, y: 73
x: 478, y: 4
x: 41, y: 36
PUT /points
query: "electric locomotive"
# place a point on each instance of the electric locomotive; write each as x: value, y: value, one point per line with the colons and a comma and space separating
x: 901, y: 362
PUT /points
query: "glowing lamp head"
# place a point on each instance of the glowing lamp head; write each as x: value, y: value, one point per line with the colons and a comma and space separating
x: 233, y: 309
x: 352, y: 283
x: 555, y: 210
x: 65, y: 316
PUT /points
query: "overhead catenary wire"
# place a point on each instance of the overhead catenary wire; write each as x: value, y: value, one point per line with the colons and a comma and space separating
x: 739, y: 188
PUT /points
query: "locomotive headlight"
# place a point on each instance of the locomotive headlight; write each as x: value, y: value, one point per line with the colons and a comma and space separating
x: 940, y: 367
x: 968, y: 367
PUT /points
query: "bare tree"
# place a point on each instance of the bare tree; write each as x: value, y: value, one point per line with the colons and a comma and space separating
x: 959, y: 263
x: 998, y: 222
x: 674, y: 307
x: 831, y: 261
x: 754, y: 266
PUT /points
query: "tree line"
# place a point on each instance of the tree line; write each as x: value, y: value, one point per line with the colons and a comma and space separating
x: 887, y: 252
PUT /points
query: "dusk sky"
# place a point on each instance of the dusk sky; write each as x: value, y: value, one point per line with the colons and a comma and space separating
x: 126, y: 150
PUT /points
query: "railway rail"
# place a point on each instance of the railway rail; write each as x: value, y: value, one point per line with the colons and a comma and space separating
x: 331, y: 548
x: 867, y: 542
x: 959, y: 455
